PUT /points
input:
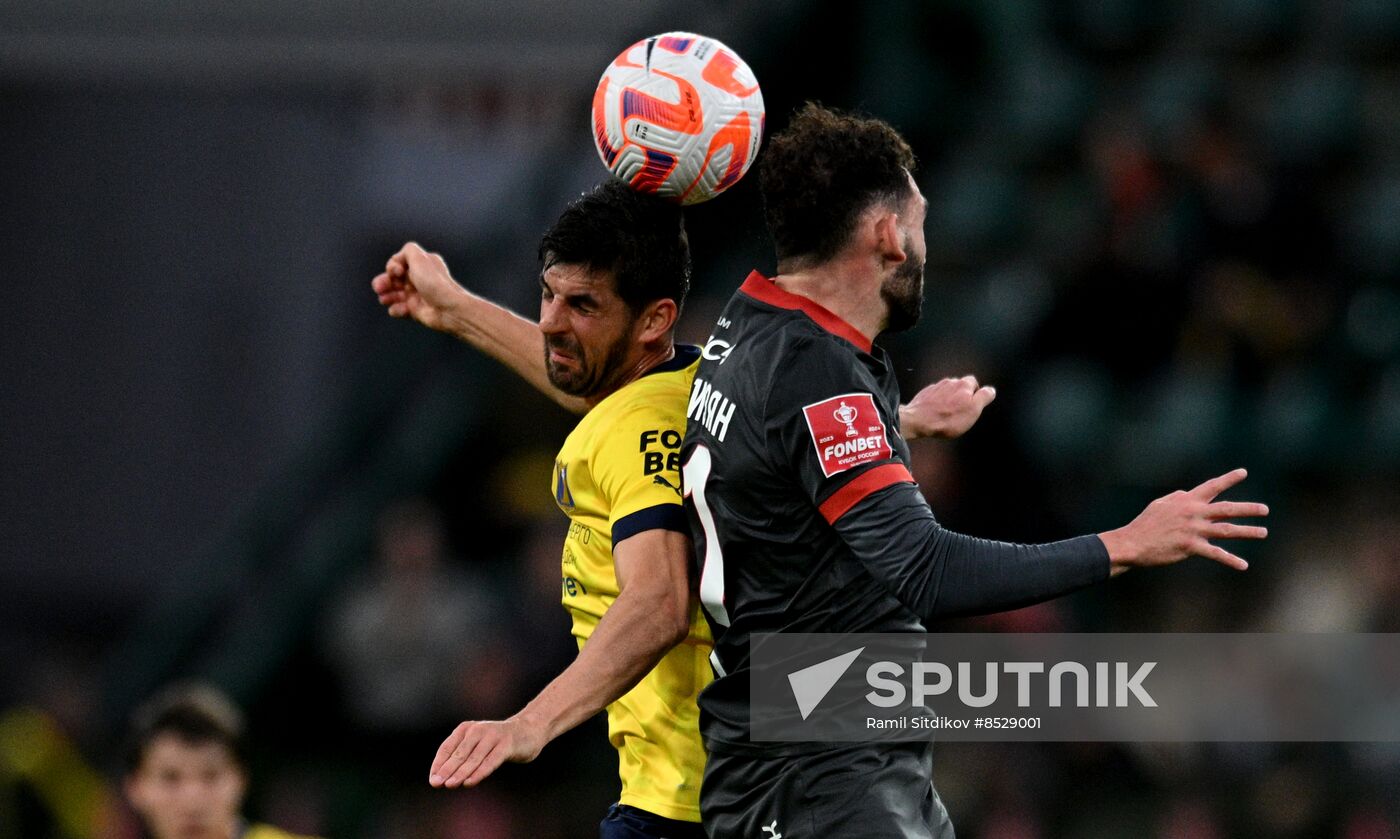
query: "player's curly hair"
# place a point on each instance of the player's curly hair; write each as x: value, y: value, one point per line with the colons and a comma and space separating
x: 641, y: 239
x: 822, y: 171
x: 195, y: 713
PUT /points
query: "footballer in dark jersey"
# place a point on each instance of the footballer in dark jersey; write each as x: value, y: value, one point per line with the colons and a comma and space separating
x: 804, y: 513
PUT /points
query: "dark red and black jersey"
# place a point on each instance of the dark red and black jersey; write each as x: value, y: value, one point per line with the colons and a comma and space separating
x: 803, y: 510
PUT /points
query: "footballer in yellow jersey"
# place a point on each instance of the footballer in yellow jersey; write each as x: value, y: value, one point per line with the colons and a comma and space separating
x: 616, y: 475
x: 616, y: 267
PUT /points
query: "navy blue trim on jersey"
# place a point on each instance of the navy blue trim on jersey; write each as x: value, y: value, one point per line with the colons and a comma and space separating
x: 659, y: 517
x: 625, y: 822
x: 686, y: 355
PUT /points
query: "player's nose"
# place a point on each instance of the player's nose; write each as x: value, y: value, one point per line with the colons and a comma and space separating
x: 552, y: 321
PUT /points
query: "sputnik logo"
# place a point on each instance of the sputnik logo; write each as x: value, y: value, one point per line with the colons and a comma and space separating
x: 810, y: 685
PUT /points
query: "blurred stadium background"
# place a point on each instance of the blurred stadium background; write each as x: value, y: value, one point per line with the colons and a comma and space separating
x: 1168, y: 232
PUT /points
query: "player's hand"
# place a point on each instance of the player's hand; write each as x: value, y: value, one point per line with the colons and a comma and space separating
x: 475, y: 749
x: 946, y: 409
x: 416, y: 284
x: 1183, y: 524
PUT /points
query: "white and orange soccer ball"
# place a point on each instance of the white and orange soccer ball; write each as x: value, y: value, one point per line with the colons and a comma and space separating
x: 678, y: 115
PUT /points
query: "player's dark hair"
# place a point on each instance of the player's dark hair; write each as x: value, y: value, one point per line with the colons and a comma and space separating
x: 639, y: 238
x: 197, y: 714
x: 822, y: 171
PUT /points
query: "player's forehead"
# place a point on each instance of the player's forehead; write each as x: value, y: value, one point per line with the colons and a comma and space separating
x: 567, y: 278
x: 169, y: 751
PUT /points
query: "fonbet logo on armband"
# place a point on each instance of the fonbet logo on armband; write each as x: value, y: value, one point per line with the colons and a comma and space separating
x: 846, y: 414
x: 847, y: 431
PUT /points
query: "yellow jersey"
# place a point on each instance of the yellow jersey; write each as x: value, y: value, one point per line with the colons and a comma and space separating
x: 267, y: 831
x: 617, y: 475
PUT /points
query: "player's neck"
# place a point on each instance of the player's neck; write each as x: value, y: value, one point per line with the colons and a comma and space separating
x: 840, y: 286
x: 634, y: 369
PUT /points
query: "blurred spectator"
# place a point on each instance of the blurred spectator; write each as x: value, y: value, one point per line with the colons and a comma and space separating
x: 403, y: 634
x: 187, y: 771
x: 38, y: 758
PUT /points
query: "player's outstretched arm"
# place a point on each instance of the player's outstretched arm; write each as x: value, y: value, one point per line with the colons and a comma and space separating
x: 945, y: 409
x: 651, y: 615
x: 416, y: 284
x: 939, y: 573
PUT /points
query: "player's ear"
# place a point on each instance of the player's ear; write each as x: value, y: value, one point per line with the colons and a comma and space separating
x: 131, y: 787
x: 657, y: 319
x: 134, y: 787
x: 242, y: 782
x: 888, y: 241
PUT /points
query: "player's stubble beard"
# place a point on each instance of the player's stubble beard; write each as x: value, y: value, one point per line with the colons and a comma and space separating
x: 903, y: 292
x: 590, y: 378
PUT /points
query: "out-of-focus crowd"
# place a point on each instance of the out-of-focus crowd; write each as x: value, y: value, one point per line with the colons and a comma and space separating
x: 1169, y: 236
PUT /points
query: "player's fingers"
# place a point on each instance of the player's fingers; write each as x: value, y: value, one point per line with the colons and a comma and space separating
x: 483, y: 746
x: 398, y: 310
x: 460, y: 762
x: 1221, y: 556
x: 984, y: 396
x: 444, y: 753
x: 1217, y: 485
x: 970, y: 381
x: 1225, y: 530
x: 381, y: 283
x: 490, y: 763
x: 1236, y: 510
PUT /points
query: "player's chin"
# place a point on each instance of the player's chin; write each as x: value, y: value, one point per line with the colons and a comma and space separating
x: 572, y: 382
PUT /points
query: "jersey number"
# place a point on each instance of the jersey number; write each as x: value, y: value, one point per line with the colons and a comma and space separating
x: 694, y: 474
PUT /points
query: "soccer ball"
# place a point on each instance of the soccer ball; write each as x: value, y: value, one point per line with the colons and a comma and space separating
x: 678, y: 115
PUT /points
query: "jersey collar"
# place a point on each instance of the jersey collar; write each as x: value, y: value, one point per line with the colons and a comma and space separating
x: 684, y: 356
x: 765, y: 290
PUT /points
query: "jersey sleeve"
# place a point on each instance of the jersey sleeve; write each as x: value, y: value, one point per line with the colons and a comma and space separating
x: 867, y: 494
x: 938, y: 573
x: 637, y: 467
x: 827, y: 427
